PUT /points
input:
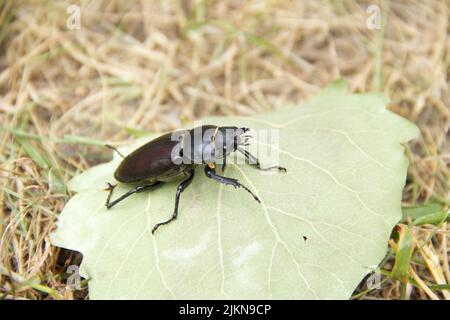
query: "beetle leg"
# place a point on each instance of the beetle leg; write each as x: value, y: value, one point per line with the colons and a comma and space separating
x: 181, y: 187
x: 224, y: 160
x: 136, y: 189
x: 211, y: 173
x: 253, y: 161
x: 110, y: 188
x: 114, y: 149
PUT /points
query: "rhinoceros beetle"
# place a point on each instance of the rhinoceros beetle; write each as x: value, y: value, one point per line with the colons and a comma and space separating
x: 174, y: 156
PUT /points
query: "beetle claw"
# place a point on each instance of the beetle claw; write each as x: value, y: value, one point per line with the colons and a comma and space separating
x: 110, y: 186
x: 155, y: 228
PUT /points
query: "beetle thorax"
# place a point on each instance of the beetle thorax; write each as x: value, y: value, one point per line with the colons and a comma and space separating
x: 208, y: 144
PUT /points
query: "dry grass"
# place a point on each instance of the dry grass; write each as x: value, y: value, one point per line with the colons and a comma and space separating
x: 138, y: 66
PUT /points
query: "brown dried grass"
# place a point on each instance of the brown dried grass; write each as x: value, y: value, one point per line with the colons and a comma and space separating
x: 154, y: 65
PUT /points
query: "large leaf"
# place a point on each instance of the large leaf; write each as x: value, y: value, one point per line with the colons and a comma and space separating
x: 321, y: 227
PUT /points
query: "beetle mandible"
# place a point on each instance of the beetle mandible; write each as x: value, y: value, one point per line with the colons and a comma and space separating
x: 166, y: 159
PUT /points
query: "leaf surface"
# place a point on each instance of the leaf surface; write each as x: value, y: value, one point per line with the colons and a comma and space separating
x: 321, y: 227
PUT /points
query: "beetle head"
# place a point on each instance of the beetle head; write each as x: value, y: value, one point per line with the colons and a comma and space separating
x: 228, y: 139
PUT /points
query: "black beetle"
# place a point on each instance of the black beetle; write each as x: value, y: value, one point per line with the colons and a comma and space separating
x: 174, y: 156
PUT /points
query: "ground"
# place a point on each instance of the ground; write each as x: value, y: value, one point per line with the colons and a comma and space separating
x: 131, y: 67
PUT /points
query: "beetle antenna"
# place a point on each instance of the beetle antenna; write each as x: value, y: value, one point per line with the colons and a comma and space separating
x: 114, y: 149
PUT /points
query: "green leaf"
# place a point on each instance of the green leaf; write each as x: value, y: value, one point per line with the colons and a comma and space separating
x: 321, y: 227
x: 429, y: 213
x: 433, y: 218
x: 403, y: 252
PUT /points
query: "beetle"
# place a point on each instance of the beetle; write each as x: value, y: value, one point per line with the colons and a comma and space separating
x: 174, y: 156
